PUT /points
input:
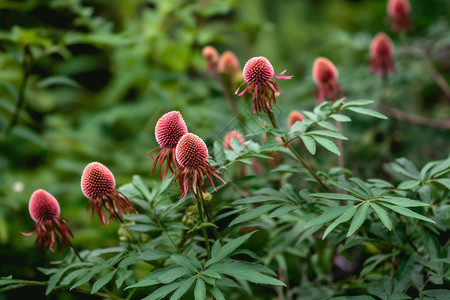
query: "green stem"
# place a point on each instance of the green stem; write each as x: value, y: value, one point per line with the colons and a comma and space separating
x: 165, y: 231
x: 304, y: 164
x: 340, y: 145
x: 208, y: 217
x: 205, y: 235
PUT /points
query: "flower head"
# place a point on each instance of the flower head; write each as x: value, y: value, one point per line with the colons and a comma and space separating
x: 399, y: 11
x: 191, y: 154
x: 258, y: 74
x: 99, y: 186
x: 228, y: 64
x: 325, y: 75
x: 295, y: 116
x: 381, y: 50
x: 44, y: 210
x: 168, y: 131
x: 211, y: 56
x: 233, y: 135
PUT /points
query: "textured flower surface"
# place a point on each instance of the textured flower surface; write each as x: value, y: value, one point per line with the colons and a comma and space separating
x: 168, y: 131
x: 228, y: 64
x: 191, y: 154
x: 381, y: 50
x: 50, y: 226
x: 99, y: 186
x: 258, y: 74
x: 399, y: 11
x: 325, y: 75
x: 233, y: 135
x: 295, y: 116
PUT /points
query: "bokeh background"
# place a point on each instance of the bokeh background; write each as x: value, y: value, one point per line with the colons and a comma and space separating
x: 104, y: 71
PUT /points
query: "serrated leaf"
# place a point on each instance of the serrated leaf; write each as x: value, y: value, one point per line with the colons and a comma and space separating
x: 347, y: 215
x: 184, y: 287
x: 102, y: 281
x: 327, y: 144
x: 328, y: 215
x: 407, y: 212
x: 358, y: 219
x: 368, y: 112
x: 200, y: 290
x: 328, y: 133
x: 228, y: 248
x: 310, y: 144
x: 382, y: 215
x: 400, y: 201
x: 254, y: 213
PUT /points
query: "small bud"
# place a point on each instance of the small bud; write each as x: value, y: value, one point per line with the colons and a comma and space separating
x: 295, y: 116
x: 233, y: 135
x: 399, y: 11
x: 228, y: 64
x: 325, y: 75
x: 381, y: 50
x: 211, y: 56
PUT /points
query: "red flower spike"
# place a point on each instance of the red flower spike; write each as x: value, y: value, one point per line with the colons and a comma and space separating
x: 44, y: 210
x: 228, y: 64
x: 233, y: 135
x: 211, y: 56
x: 295, y: 116
x: 191, y: 154
x: 99, y: 186
x: 258, y: 74
x: 325, y: 75
x: 381, y: 50
x: 399, y: 11
x: 168, y: 131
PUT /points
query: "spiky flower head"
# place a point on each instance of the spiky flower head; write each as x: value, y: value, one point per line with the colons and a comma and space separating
x: 381, y: 51
x: 191, y: 154
x: 399, y: 11
x: 233, y: 135
x: 211, y: 56
x: 45, y: 211
x: 168, y: 131
x: 295, y: 116
x: 258, y: 74
x: 228, y: 64
x: 325, y: 75
x: 99, y: 186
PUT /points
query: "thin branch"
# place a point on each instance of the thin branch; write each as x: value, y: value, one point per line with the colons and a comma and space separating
x: 414, y: 119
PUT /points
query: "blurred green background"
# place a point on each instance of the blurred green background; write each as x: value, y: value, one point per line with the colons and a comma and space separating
x: 104, y: 71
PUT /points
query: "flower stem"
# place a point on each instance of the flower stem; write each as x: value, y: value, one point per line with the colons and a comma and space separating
x: 340, y: 145
x: 208, y: 217
x: 304, y: 164
x: 76, y: 253
x: 205, y: 235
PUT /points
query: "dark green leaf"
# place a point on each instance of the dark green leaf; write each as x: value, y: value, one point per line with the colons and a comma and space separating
x: 358, y: 219
x: 184, y: 287
x: 163, y: 291
x: 407, y: 212
x: 444, y: 181
x: 347, y: 215
x: 327, y: 133
x: 188, y: 262
x: 406, y: 202
x: 383, y: 215
x: 216, y: 293
x: 335, y: 196
x: 200, y: 290
x: 327, y: 144
x: 228, y: 248
x: 102, y: 281
x: 253, y: 213
x: 328, y: 215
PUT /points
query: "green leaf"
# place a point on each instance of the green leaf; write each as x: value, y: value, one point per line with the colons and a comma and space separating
x: 200, y: 290
x: 102, y: 281
x: 406, y: 202
x: 328, y: 125
x: 407, y: 212
x: 383, y: 215
x: 228, y: 248
x: 57, y: 80
x: 327, y: 144
x: 163, y: 276
x: 140, y: 185
x: 444, y: 181
x: 163, y: 291
x: 368, y: 112
x: 188, y: 262
x: 216, y: 293
x: 328, y: 133
x: 347, y: 215
x: 408, y: 184
x: 341, y: 118
x: 310, y: 144
x: 362, y: 102
x: 328, y: 215
x: 253, y: 213
x: 353, y: 298
x: 437, y: 294
x: 95, y: 270
x: 282, y: 210
x: 335, y: 196
x: 258, y: 199
x: 358, y: 219
x: 184, y: 287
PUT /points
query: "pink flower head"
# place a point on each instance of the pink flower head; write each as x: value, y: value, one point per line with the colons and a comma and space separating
x: 233, y: 135
x: 168, y: 131
x: 325, y: 75
x: 211, y: 56
x: 399, y: 11
x: 258, y: 74
x: 99, y: 186
x: 191, y: 153
x: 295, y: 116
x: 228, y: 64
x: 381, y: 50
x: 44, y: 210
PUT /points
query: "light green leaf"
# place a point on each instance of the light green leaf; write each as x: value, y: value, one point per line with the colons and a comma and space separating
x: 368, y: 112
x: 102, y: 281
x: 400, y: 201
x: 328, y: 125
x: 328, y: 133
x: 216, y: 293
x: 200, y: 290
x: 407, y: 212
x: 347, y: 215
x: 140, y: 185
x: 408, y: 184
x: 282, y: 210
x: 444, y: 181
x: 163, y: 276
x: 358, y: 219
x: 362, y: 102
x: 327, y: 144
x: 57, y: 80
x: 383, y: 215
x: 184, y: 287
x: 328, y: 215
x: 310, y: 144
x: 341, y: 118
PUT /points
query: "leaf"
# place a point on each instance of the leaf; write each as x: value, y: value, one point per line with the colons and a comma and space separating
x: 328, y: 133
x: 95, y: 270
x: 328, y: 215
x: 140, y: 185
x: 347, y: 215
x: 188, y: 262
x: 437, y: 294
x: 368, y: 112
x: 341, y: 118
x: 143, y: 227
x: 406, y: 202
x: 353, y: 298
x: 163, y: 276
x: 358, y: 219
x: 381, y: 288
x: 102, y: 281
x: 200, y: 290
x: 57, y: 80
x: 216, y: 293
x: 258, y: 199
x: 327, y: 125
x: 163, y: 291
x: 310, y: 144
x: 362, y: 102
x: 184, y: 287
x: 382, y: 215
x: 444, y: 181
x: 228, y: 248
x: 253, y: 213
x: 408, y: 184
x: 335, y: 196
x: 327, y: 144
x: 282, y: 210
x: 407, y: 212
